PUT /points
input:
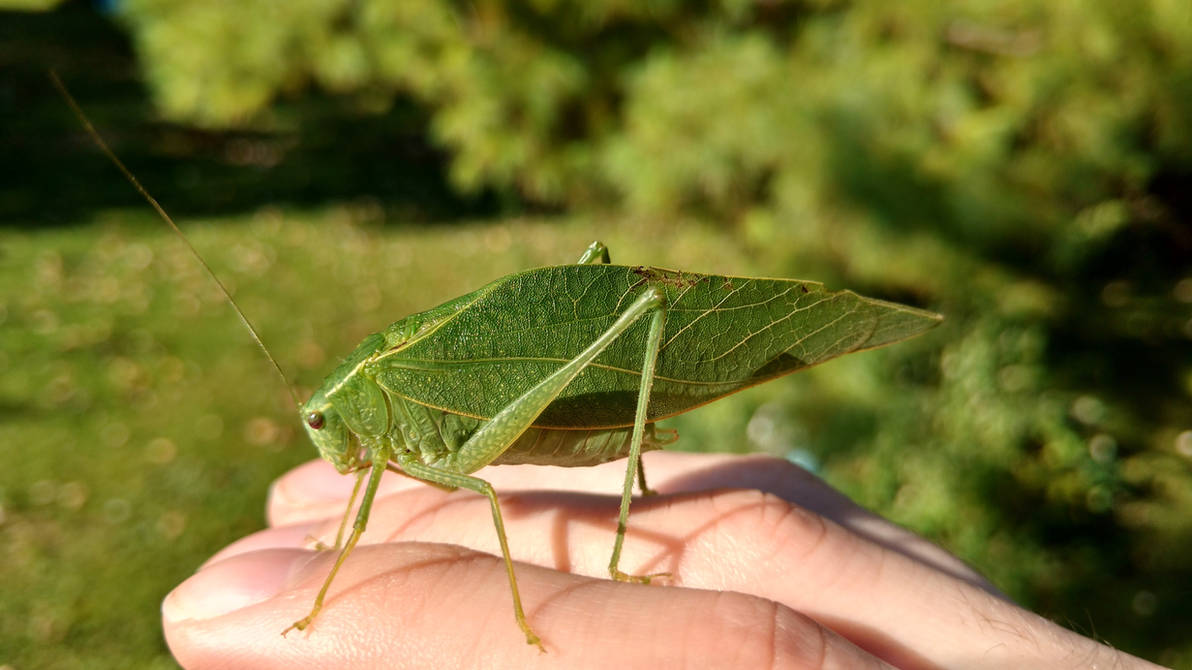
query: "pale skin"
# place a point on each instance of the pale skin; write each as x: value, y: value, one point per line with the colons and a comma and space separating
x: 770, y: 568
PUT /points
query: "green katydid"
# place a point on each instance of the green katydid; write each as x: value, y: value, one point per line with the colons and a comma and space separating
x: 566, y: 365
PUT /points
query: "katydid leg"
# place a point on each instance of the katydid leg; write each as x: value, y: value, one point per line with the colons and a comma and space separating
x: 641, y: 479
x: 446, y: 479
x: 496, y: 435
x: 442, y: 487
x: 653, y: 342
x: 343, y: 523
x: 370, y: 491
x: 595, y: 254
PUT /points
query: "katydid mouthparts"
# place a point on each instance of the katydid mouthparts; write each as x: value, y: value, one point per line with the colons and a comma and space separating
x: 568, y: 365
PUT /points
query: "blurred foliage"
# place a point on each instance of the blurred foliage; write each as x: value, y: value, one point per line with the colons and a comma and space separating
x: 300, y: 160
x: 1021, y: 167
x: 28, y: 5
x: 1057, y: 103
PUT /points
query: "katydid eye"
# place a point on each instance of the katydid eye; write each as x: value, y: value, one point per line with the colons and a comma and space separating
x: 315, y: 420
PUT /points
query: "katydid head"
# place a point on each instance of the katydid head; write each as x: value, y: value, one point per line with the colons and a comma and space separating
x: 329, y: 433
x: 347, y: 410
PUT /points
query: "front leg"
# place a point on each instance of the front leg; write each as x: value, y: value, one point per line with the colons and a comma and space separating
x: 343, y: 522
x: 370, y: 491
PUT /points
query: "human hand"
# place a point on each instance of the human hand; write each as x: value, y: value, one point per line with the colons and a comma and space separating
x: 770, y: 568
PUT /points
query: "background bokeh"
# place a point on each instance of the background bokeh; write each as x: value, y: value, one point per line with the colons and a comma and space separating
x: 1023, y: 167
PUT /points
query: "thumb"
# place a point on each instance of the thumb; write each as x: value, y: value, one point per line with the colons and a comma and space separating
x: 431, y: 605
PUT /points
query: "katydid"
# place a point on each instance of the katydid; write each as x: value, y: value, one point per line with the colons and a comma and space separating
x: 568, y: 365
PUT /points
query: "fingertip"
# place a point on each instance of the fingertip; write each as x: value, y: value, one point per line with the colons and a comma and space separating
x: 232, y: 585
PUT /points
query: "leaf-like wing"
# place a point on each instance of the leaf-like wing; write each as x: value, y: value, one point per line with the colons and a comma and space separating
x: 723, y: 334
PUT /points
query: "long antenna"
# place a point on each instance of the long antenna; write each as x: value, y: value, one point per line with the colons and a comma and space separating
x: 78, y: 112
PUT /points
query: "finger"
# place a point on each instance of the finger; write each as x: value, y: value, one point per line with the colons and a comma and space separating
x: 316, y: 492
x: 307, y: 504
x: 421, y: 605
x: 745, y: 541
x: 796, y: 485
